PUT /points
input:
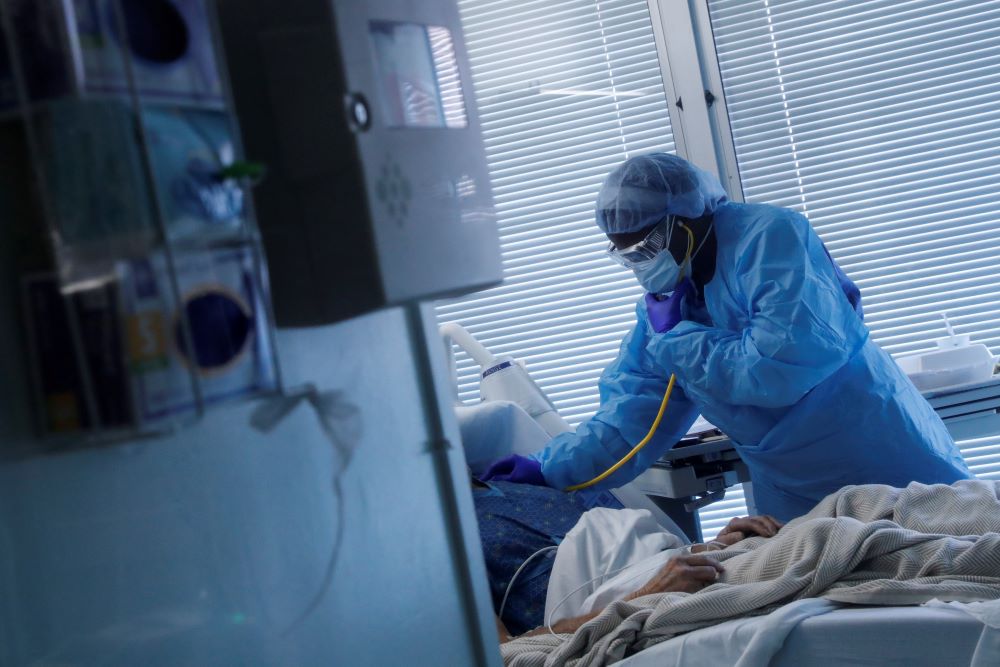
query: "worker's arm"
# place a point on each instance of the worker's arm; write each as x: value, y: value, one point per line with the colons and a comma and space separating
x: 800, y: 327
x: 565, y: 626
x: 631, y: 390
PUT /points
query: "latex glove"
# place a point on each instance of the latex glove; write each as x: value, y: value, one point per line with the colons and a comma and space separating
x: 515, y: 468
x: 665, y: 315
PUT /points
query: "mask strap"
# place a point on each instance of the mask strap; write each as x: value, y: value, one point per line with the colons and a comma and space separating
x: 671, y: 224
x: 687, y: 256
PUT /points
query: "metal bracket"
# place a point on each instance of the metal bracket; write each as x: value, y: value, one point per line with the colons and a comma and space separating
x: 705, y: 500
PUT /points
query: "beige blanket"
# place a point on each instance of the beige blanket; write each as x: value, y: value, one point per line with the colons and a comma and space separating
x: 868, y: 544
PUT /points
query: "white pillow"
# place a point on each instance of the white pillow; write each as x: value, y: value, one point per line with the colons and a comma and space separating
x: 496, y: 429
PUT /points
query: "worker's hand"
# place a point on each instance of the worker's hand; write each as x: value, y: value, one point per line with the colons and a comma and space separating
x: 742, y: 527
x: 682, y: 574
x: 665, y: 315
x: 515, y: 468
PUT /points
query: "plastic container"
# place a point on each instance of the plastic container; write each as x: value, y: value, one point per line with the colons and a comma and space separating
x: 954, y: 363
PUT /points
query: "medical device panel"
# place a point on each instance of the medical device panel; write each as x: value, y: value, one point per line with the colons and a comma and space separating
x: 375, y: 191
x: 92, y: 48
x: 131, y: 252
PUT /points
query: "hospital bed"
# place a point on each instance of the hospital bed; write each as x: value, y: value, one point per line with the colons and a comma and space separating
x: 696, y: 473
x: 840, y: 635
x: 856, y: 636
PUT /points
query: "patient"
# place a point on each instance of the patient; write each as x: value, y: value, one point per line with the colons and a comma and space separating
x: 605, y: 553
x: 867, y: 544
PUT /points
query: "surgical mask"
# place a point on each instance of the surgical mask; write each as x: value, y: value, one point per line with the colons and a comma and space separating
x: 662, y: 273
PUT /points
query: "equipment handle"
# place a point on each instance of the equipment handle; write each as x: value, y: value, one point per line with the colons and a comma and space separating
x: 458, y: 335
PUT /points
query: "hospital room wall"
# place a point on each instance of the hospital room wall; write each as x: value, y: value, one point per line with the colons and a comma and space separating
x: 205, y: 546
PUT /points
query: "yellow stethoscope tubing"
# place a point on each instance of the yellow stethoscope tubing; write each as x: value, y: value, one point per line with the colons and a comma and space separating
x: 663, y: 404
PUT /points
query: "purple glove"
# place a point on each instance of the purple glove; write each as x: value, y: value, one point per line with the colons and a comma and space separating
x: 664, y: 315
x: 515, y: 468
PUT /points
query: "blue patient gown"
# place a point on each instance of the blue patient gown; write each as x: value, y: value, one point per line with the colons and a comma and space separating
x: 515, y: 521
x: 777, y: 358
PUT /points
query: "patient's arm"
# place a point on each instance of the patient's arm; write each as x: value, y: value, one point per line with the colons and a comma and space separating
x: 502, y: 630
x: 565, y: 626
x: 687, y: 574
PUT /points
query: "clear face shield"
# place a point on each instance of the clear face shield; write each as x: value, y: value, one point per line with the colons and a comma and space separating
x: 639, y: 254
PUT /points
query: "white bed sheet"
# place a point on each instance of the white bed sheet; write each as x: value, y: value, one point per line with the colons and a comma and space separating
x: 850, y: 636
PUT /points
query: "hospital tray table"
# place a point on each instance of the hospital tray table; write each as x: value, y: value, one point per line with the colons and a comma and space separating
x: 971, y: 411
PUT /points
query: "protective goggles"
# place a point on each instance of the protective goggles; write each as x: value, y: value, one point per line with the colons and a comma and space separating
x: 646, y: 249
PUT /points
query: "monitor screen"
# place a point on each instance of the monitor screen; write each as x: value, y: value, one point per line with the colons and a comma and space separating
x: 418, y: 75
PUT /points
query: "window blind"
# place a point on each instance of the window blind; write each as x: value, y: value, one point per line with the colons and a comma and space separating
x: 566, y: 90
x: 880, y: 121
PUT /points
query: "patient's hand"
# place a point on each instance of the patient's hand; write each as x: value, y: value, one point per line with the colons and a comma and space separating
x: 743, y: 527
x: 683, y: 574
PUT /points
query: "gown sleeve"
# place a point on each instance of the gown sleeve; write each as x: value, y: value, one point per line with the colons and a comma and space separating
x: 631, y: 390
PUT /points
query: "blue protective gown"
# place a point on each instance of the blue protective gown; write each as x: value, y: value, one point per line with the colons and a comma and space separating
x: 777, y: 358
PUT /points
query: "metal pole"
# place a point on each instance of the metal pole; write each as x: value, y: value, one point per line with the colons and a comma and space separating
x: 438, y: 447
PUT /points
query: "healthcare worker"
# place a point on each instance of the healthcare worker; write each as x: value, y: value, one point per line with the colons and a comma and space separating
x: 764, y: 333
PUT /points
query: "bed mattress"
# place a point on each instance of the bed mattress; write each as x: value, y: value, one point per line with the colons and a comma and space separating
x: 855, y: 636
